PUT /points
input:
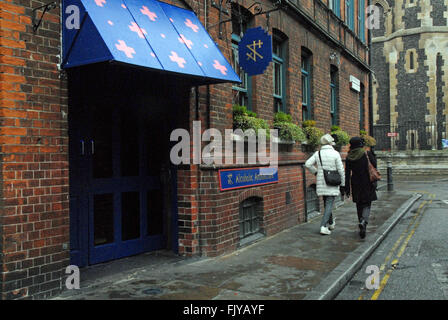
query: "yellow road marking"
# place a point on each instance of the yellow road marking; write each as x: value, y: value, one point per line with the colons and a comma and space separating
x: 383, y: 283
x: 397, y: 244
x: 394, y: 247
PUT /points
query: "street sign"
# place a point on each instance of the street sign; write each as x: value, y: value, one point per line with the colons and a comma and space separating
x: 355, y: 84
x: 255, y: 51
x: 392, y: 134
x: 230, y: 179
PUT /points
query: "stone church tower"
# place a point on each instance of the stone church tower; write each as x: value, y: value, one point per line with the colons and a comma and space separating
x: 410, y: 80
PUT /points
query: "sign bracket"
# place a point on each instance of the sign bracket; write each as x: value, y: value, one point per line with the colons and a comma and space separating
x: 257, y: 9
x: 47, y: 7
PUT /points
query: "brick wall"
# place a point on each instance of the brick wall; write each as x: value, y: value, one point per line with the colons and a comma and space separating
x: 34, y: 164
x: 212, y: 216
x: 34, y: 191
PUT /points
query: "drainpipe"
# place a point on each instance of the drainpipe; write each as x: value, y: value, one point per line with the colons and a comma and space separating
x: 369, y: 39
x: 304, y: 192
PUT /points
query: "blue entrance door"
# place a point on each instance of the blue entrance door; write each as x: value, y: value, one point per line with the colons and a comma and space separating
x: 119, y: 178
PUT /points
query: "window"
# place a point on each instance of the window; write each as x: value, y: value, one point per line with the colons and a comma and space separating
x: 242, y: 91
x: 411, y: 61
x: 334, y: 96
x: 306, y: 89
x: 349, y: 14
x: 335, y: 6
x: 361, y: 19
x: 279, y: 74
x: 251, y: 219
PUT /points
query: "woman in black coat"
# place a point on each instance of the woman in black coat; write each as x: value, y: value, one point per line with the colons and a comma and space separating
x: 357, y: 180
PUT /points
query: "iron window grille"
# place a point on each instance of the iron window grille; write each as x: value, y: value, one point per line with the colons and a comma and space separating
x: 250, y: 220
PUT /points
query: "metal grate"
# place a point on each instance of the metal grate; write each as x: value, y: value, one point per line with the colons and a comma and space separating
x: 250, y: 217
x: 312, y: 200
x: 409, y: 135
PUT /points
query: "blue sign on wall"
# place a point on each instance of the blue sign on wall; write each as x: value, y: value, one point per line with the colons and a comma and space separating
x: 255, y: 51
x: 230, y: 179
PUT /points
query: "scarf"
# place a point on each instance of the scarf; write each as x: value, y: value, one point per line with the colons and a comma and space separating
x: 356, y: 154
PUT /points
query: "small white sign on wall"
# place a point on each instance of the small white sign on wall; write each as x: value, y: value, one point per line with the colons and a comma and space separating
x: 355, y: 84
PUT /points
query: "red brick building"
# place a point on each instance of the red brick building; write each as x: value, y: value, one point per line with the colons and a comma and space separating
x: 85, y: 174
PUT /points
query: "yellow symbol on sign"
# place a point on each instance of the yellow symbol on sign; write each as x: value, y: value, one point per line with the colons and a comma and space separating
x: 253, y: 48
x: 229, y: 179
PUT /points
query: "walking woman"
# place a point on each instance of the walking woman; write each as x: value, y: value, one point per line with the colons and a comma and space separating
x: 357, y: 178
x: 330, y: 159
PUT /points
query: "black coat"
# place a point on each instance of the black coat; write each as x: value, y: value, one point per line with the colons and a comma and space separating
x: 357, y: 179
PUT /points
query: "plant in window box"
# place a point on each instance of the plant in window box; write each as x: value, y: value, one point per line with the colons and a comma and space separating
x: 288, y: 132
x: 312, y: 134
x: 369, y: 140
x: 244, y: 119
x: 341, y: 137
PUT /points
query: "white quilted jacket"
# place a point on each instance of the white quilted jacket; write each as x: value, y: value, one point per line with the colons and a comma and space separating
x: 331, y: 160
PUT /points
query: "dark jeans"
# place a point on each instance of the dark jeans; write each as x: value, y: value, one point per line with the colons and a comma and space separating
x: 328, y: 215
x: 363, y: 210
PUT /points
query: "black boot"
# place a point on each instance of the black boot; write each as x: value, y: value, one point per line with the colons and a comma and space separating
x: 362, y: 229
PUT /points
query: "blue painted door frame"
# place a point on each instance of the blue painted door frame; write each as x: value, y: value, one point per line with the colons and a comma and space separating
x: 102, y: 207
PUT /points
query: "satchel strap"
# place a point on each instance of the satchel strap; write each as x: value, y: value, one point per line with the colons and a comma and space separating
x: 321, y: 161
x: 367, y: 156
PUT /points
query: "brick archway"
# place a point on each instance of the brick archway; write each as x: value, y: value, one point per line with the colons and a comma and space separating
x: 250, y: 193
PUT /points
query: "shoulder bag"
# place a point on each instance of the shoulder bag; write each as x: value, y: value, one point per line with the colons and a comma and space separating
x: 332, y: 177
x: 374, y: 174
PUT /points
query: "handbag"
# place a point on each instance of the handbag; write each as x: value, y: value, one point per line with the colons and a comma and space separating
x: 332, y: 177
x: 374, y: 174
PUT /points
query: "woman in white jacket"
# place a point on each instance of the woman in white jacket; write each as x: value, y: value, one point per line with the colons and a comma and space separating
x: 331, y: 160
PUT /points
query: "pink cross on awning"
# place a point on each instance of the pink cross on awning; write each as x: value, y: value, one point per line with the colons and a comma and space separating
x: 175, y: 58
x: 140, y: 32
x: 128, y: 51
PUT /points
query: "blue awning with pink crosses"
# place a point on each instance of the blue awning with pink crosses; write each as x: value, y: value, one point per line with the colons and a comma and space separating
x: 145, y: 33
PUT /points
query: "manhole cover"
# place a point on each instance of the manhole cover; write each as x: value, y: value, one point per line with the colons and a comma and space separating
x: 152, y: 291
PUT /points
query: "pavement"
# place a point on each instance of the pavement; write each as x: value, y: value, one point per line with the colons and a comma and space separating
x: 295, y: 264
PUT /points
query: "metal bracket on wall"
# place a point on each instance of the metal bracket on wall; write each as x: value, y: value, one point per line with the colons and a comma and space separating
x: 257, y: 9
x: 46, y: 7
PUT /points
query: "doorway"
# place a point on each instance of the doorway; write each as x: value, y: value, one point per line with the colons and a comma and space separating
x: 122, y: 186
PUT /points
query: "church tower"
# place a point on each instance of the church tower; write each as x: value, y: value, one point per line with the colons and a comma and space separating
x: 410, y: 80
